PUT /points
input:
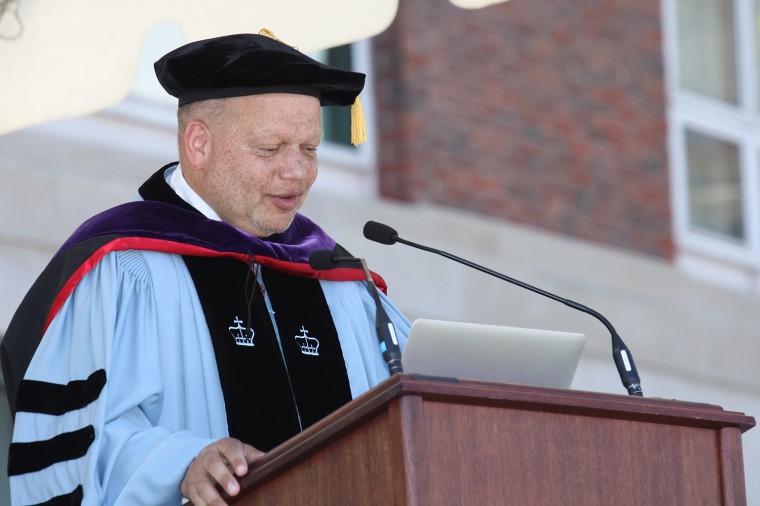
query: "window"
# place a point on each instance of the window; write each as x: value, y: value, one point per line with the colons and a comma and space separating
x: 712, y: 58
x: 337, y: 120
x: 714, y: 186
x: 706, y: 49
x: 344, y: 168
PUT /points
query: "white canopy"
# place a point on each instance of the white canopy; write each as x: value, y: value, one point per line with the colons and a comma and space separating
x: 63, y: 59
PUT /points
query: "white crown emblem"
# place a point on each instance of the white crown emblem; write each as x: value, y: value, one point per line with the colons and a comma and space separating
x: 308, y: 345
x: 243, y: 336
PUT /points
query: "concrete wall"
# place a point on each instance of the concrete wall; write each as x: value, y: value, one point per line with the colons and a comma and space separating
x: 691, y: 341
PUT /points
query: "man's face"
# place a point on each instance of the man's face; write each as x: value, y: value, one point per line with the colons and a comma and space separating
x: 262, y: 160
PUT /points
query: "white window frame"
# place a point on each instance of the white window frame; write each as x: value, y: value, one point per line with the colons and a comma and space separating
x: 730, y: 262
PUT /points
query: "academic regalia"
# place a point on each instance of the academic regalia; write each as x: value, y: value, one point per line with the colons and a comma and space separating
x: 122, y: 388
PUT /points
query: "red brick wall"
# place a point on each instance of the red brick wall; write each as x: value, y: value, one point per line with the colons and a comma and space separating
x: 547, y: 113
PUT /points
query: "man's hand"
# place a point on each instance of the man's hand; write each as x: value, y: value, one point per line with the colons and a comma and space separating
x: 220, y: 463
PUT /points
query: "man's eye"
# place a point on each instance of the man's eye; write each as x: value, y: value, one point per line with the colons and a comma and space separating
x: 267, y: 149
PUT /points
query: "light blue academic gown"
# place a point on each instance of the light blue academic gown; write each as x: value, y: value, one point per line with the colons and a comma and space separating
x: 137, y: 316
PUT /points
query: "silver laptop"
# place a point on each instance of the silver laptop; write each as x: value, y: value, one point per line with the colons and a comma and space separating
x: 493, y: 353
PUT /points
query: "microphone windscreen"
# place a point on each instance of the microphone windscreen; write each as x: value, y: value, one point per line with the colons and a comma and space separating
x: 378, y: 232
x: 322, y: 260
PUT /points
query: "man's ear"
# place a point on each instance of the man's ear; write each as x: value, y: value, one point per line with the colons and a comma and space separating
x: 197, y: 143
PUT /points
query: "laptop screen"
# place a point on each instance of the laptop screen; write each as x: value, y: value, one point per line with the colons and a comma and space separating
x: 493, y: 353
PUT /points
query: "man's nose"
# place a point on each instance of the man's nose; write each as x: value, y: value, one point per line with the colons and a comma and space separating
x: 296, y: 163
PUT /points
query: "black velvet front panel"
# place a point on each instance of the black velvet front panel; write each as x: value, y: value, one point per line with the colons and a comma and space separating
x: 269, y: 398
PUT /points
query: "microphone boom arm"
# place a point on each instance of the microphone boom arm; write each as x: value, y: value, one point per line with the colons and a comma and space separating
x: 385, y: 330
x: 620, y: 352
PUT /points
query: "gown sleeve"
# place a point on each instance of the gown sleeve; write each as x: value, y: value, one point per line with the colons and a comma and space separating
x: 103, y: 411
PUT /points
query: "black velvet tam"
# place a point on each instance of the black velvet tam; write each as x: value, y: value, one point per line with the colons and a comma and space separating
x: 250, y: 64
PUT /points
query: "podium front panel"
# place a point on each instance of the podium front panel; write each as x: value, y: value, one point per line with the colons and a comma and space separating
x: 423, y: 442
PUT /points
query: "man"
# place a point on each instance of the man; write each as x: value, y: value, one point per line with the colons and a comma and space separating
x: 174, y: 339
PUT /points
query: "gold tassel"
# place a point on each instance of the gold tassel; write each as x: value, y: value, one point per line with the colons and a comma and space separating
x: 266, y: 32
x: 358, y: 123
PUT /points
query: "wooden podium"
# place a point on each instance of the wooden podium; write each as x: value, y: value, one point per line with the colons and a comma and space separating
x: 425, y: 441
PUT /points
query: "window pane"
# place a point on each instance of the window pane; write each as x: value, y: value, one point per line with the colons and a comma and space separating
x: 336, y: 121
x: 715, y: 199
x: 707, y: 61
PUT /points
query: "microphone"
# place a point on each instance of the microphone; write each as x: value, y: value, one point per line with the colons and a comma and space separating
x: 325, y: 260
x: 321, y: 260
x: 629, y: 376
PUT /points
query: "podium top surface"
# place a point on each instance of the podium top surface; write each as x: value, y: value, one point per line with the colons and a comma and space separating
x: 559, y: 400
